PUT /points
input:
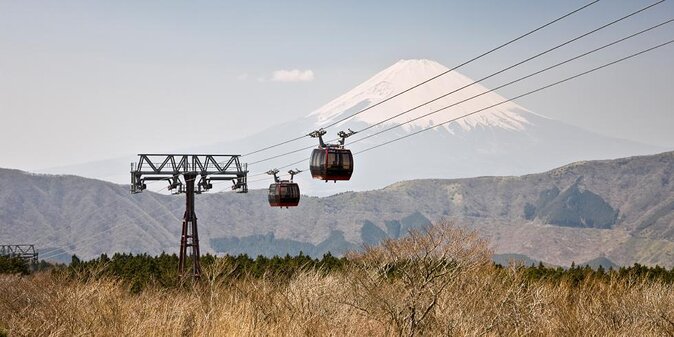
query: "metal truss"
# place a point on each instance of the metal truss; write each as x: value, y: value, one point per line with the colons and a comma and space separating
x: 169, y: 167
x: 26, y: 252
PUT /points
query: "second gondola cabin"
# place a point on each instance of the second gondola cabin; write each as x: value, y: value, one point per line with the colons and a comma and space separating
x: 284, y: 194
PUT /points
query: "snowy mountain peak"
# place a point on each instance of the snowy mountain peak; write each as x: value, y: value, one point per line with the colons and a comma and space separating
x: 407, y: 73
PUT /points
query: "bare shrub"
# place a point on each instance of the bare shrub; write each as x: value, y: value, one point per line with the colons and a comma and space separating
x: 400, y: 282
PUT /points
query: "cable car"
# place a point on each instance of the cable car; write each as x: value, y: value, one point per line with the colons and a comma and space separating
x: 331, y: 161
x: 284, y: 193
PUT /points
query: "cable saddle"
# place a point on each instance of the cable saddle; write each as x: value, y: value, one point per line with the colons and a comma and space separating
x: 345, y: 135
x: 293, y: 173
x: 274, y: 173
x: 318, y: 133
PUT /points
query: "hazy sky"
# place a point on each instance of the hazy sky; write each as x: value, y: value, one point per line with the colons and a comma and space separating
x: 88, y: 80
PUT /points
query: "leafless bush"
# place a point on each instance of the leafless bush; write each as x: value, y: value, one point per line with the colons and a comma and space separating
x: 401, y: 281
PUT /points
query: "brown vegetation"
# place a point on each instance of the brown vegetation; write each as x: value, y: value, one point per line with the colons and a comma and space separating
x: 434, y: 282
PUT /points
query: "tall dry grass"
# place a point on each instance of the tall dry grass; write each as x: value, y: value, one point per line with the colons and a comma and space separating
x: 435, y: 282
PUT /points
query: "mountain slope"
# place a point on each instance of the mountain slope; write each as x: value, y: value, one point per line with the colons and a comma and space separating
x: 505, y: 140
x: 407, y: 73
x: 61, y: 210
x: 542, y: 216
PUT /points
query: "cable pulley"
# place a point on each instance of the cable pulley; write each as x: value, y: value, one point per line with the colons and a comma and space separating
x: 344, y: 135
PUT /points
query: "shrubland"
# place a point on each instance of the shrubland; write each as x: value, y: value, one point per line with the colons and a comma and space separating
x: 435, y: 281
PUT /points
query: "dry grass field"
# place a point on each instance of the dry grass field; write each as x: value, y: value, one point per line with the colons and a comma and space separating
x: 439, y: 282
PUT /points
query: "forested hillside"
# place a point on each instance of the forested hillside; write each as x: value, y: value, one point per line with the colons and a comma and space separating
x: 618, y: 210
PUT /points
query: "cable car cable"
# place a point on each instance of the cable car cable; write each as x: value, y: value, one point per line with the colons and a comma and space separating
x: 520, y: 96
x: 520, y: 63
x: 83, y: 242
x: 462, y: 64
x: 52, y: 255
x: 273, y: 146
x: 436, y: 76
x: 39, y: 241
x: 494, y: 74
x: 282, y: 155
x: 513, y: 82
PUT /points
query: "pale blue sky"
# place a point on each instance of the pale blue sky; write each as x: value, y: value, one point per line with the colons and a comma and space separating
x: 87, y: 80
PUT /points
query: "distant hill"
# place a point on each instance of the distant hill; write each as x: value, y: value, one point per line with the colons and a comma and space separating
x: 622, y: 210
x: 600, y: 262
x: 506, y: 259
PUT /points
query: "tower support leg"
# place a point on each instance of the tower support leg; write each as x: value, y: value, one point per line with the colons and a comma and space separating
x: 190, y: 234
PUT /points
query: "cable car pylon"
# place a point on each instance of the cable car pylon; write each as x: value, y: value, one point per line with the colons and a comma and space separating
x: 331, y: 161
x: 170, y: 167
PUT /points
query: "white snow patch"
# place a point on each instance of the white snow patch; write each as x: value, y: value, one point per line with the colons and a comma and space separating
x: 407, y: 73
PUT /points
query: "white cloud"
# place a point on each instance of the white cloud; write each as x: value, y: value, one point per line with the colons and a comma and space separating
x: 242, y: 77
x: 294, y: 75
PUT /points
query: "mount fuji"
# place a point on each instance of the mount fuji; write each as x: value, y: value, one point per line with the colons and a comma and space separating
x: 505, y: 140
x: 407, y: 73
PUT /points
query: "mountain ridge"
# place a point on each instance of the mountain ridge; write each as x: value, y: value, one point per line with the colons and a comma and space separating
x: 88, y: 217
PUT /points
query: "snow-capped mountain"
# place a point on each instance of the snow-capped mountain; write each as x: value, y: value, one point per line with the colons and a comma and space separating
x: 407, y: 73
x: 504, y: 140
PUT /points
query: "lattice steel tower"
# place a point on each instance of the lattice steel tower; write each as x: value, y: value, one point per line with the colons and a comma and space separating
x: 205, y: 167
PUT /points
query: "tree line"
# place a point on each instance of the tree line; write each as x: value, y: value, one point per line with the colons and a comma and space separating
x: 141, y: 270
x: 575, y: 275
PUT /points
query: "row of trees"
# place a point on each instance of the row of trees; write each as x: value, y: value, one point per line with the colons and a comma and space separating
x: 14, y: 265
x: 142, y: 269
x: 576, y: 275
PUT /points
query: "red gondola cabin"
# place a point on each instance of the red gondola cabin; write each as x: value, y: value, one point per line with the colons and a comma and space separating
x: 284, y: 194
x: 331, y: 163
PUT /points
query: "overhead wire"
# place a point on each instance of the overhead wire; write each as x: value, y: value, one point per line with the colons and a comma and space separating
x: 434, y: 77
x: 519, y: 96
x: 511, y: 99
x: 62, y: 243
x: 53, y: 255
x: 514, y: 65
x: 282, y: 154
x: 492, y: 75
x: 43, y: 238
x: 507, y: 84
x: 462, y: 64
x: 273, y: 146
x: 40, y: 240
x: 517, y: 80
x: 491, y: 106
